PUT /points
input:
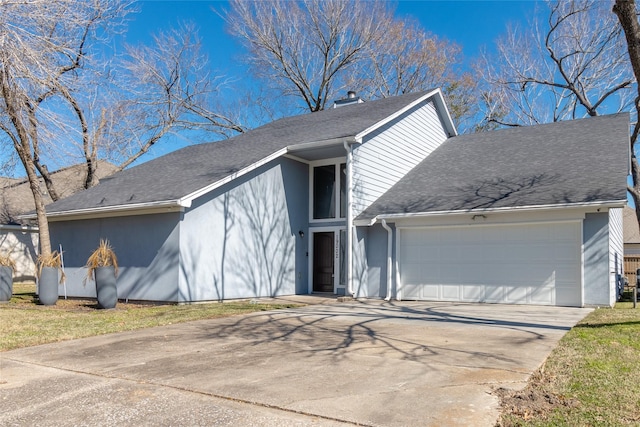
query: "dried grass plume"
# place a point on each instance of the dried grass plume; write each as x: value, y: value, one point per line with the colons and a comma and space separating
x: 103, y: 256
x: 54, y: 259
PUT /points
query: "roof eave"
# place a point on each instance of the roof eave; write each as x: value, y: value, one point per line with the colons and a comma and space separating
x: 391, y: 217
x: 321, y: 144
x: 189, y: 198
x: 111, y: 211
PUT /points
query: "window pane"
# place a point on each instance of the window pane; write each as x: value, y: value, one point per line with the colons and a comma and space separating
x: 343, y: 190
x: 324, y: 198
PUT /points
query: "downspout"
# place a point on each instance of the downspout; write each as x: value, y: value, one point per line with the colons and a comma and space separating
x: 389, y: 254
x: 349, y: 219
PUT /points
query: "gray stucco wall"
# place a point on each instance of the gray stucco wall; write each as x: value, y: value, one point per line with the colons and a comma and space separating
x: 242, y: 240
x: 595, y: 234
x: 146, y: 247
x: 370, y: 267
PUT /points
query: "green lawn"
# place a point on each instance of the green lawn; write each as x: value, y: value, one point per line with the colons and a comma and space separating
x: 592, y: 378
x: 24, y: 323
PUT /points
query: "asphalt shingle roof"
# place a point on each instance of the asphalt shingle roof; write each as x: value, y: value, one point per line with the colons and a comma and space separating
x: 630, y: 228
x: 16, y: 197
x: 190, y: 169
x: 568, y: 162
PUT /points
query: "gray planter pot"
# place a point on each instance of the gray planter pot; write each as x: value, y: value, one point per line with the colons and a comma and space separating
x: 106, y: 290
x: 6, y: 283
x: 48, y: 286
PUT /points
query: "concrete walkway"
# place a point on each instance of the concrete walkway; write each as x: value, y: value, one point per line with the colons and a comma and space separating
x: 352, y: 363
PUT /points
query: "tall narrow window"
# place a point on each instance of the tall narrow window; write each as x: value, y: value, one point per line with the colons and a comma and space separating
x: 343, y: 190
x: 324, y: 197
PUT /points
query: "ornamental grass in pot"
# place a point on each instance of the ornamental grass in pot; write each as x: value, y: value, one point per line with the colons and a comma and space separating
x: 47, y: 267
x: 102, y: 268
x: 7, y: 267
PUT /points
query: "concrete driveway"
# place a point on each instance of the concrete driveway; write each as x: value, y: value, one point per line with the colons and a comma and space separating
x: 360, y: 362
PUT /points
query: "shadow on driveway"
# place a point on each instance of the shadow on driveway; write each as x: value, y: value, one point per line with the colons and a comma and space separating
x: 363, y: 362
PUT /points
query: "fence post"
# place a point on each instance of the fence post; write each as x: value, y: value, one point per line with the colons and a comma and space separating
x: 635, y: 296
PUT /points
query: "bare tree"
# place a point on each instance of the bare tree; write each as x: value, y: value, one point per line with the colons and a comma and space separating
x: 405, y: 60
x: 60, y: 101
x: 305, y: 49
x: 316, y: 50
x: 573, y: 64
x: 577, y: 63
x: 42, y: 44
x: 151, y: 92
x: 409, y: 59
x: 627, y: 13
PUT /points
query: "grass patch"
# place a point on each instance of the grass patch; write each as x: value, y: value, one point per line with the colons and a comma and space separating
x: 590, y: 379
x: 24, y: 323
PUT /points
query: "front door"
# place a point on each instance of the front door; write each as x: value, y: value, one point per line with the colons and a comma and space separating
x: 323, y: 271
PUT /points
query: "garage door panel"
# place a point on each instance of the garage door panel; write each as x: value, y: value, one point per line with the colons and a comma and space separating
x: 468, y: 252
x: 532, y: 275
x: 473, y: 292
x: 564, y: 296
x: 449, y: 252
x: 451, y: 292
x: 428, y: 253
x: 494, y: 294
x: 542, y: 295
x: 413, y: 292
x: 471, y: 274
x: 412, y: 275
x: 414, y: 239
x: 565, y: 256
x: 414, y: 254
x: 532, y: 263
x: 430, y: 292
x: 516, y: 294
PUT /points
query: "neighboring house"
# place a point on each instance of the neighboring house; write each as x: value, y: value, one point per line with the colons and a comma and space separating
x: 17, y: 237
x: 631, y: 232
x: 377, y: 200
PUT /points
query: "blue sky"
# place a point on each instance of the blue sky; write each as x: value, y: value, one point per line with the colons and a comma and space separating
x: 470, y: 23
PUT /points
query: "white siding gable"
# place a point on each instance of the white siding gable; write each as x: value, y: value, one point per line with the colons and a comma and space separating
x: 388, y: 153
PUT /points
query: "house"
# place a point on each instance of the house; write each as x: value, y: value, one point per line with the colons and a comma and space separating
x: 17, y: 237
x: 631, y: 232
x: 378, y: 199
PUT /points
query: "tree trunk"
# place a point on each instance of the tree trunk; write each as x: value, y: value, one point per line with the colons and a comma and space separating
x: 22, y: 145
x: 626, y: 12
x: 41, y: 213
x: 91, y: 180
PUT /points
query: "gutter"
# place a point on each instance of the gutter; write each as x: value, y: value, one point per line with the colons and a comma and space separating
x: 389, y: 256
x: 109, y: 211
x: 20, y: 228
x: 319, y: 144
x: 597, y: 205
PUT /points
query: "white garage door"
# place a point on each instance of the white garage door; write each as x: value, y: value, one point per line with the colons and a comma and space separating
x: 516, y: 264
